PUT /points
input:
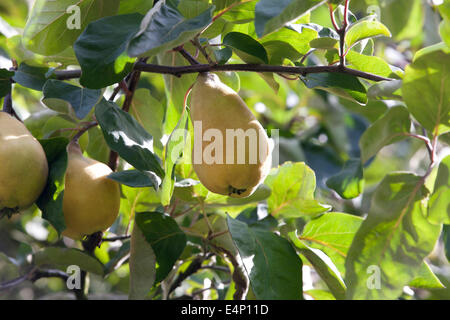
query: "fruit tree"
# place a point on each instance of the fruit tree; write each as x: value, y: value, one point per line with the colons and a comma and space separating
x: 225, y: 149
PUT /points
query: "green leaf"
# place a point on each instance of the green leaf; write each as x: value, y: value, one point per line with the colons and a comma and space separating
x: 223, y: 55
x: 426, y: 279
x: 386, y: 90
x: 135, y: 6
x: 142, y: 266
x: 278, y: 51
x: 136, y: 178
x: 149, y: 112
x: 333, y: 234
x: 61, y: 96
x: 271, y: 263
x: 217, y: 200
x: 51, y: 27
x: 174, y: 151
x: 393, y: 240
x: 164, y: 28
x: 370, y: 64
x: 65, y: 257
x: 272, y: 15
x: 446, y: 238
x: 118, y: 258
x: 192, y: 8
x: 51, y: 200
x: 222, y: 4
x: 392, y: 127
x: 30, y: 76
x: 340, y: 84
x: 444, y: 31
x: 404, y: 18
x: 5, y: 82
x: 295, y: 36
x: 318, y: 294
x: 241, y: 13
x: 349, y: 183
x: 439, y: 203
x: 365, y: 29
x: 426, y: 89
x: 97, y: 148
x: 165, y: 237
x: 247, y: 48
x: 101, y: 49
x: 293, y: 186
x: 17, y: 51
x: 125, y: 136
x: 323, y: 266
x: 9, y: 269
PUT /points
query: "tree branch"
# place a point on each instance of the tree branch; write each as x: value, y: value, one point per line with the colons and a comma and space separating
x: 34, y: 275
x: 180, y: 70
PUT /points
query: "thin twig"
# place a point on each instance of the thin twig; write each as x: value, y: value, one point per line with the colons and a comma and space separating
x: 84, y: 129
x: 187, y: 55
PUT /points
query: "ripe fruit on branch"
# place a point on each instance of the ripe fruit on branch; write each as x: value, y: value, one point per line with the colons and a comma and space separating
x: 91, y: 201
x: 231, y: 149
x: 23, y: 166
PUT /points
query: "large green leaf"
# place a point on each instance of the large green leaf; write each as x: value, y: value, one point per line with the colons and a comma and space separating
x: 349, y: 183
x: 323, y: 266
x: 164, y: 28
x: 61, y: 96
x: 272, y: 15
x: 426, y: 279
x: 365, y: 29
x: 333, y: 234
x: 174, y: 151
x: 389, y: 247
x: 65, y: 257
x: 439, y: 203
x: 404, y: 18
x: 142, y: 266
x: 247, y: 48
x: 271, y: 263
x: 293, y: 186
x: 241, y: 13
x: 370, y: 64
x: 101, y: 49
x: 426, y: 88
x: 135, y: 6
x: 30, y: 76
x: 340, y: 84
x: 165, y: 237
x: 392, y: 127
x: 51, y: 200
x: 149, y: 112
x: 136, y: 178
x: 51, y: 27
x: 125, y: 136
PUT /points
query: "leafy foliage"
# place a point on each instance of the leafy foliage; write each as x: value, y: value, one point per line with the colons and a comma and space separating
x: 358, y: 194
